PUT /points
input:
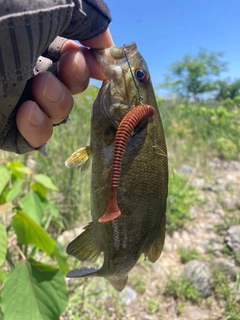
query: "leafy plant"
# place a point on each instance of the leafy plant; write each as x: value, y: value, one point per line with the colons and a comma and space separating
x: 30, y: 288
x: 227, y: 90
x: 228, y: 103
x: 237, y: 100
x: 153, y: 305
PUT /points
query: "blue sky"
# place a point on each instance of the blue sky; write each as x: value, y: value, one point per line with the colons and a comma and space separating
x: 165, y: 30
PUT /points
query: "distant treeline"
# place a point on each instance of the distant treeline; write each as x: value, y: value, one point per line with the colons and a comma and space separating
x: 195, y: 75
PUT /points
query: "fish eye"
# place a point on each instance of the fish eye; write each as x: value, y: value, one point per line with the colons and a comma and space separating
x: 141, y: 75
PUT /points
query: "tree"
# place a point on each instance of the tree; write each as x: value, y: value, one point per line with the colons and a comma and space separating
x: 227, y: 90
x: 195, y: 74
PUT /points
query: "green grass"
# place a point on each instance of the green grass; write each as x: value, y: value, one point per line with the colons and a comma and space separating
x: 231, y: 218
x: 188, y: 254
x: 226, y: 296
x: 201, y: 129
x: 182, y: 290
x: 181, y: 197
x: 91, y: 298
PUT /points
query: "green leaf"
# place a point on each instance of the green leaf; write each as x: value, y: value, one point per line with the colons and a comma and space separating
x: 33, y: 206
x: 5, y: 175
x: 45, y: 181
x: 19, y: 169
x: 33, y: 290
x: 61, y: 258
x: 53, y: 209
x: 15, y: 190
x: 29, y: 232
x: 2, y: 276
x: 3, y: 243
x: 40, y: 189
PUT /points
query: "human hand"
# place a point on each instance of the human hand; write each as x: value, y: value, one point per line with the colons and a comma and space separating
x: 53, y: 96
x: 33, y: 40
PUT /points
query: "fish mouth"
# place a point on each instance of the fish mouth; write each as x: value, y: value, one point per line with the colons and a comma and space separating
x: 114, y: 61
x: 115, y: 55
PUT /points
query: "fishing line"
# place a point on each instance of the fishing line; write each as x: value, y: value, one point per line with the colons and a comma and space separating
x: 134, y: 80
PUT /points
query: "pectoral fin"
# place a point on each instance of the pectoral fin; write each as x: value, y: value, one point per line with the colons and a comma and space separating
x: 84, y: 246
x: 79, y: 158
x: 154, y: 251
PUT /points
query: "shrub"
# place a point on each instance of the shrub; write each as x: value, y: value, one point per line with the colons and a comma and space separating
x: 33, y: 264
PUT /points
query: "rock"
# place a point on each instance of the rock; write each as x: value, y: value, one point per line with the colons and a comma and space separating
x: 231, y: 165
x: 128, y: 295
x: 148, y: 317
x: 227, y: 267
x: 209, y: 206
x: 199, y: 274
x: 219, y: 187
x: 186, y: 169
x: 231, y: 203
x: 198, y: 182
x: 215, y: 163
x: 207, y: 187
x: 215, y: 247
x: 196, y: 313
x: 235, y: 290
x: 233, y: 239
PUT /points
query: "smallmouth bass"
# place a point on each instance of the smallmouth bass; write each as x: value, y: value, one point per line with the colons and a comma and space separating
x: 129, y: 181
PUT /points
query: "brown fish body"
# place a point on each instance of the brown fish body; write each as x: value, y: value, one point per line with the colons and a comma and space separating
x: 142, y: 190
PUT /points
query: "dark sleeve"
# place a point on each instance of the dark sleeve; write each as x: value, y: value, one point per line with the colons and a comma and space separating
x: 27, y: 28
x: 89, y: 19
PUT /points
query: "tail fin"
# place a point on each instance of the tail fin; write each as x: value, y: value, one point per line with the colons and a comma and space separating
x: 118, y: 283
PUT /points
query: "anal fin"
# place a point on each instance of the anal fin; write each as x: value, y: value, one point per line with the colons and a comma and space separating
x: 84, y: 247
x: 155, y: 250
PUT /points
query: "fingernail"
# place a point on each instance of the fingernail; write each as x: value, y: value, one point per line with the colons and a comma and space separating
x: 76, y: 70
x: 35, y: 116
x: 53, y: 91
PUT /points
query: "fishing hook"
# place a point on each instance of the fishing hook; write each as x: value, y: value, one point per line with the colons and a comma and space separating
x: 134, y: 80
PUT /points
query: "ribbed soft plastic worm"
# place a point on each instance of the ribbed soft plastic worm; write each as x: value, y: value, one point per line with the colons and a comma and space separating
x: 128, y: 123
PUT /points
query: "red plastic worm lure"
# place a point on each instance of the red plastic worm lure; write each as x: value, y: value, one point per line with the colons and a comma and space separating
x: 128, y: 123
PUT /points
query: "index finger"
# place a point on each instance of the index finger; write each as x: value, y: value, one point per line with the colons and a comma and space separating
x: 102, y: 41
